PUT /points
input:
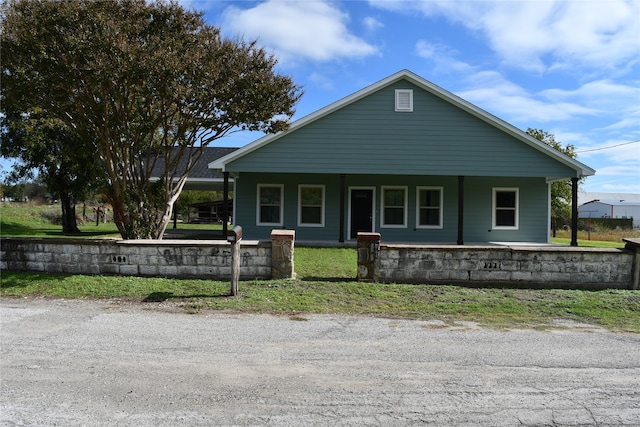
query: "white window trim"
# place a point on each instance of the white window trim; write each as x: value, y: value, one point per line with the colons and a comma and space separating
x: 517, y: 209
x: 403, y: 108
x: 406, y: 196
x: 440, y: 220
x: 322, y: 206
x: 281, y: 186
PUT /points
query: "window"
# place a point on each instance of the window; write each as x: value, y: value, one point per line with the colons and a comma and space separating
x: 404, y: 100
x: 311, y: 205
x: 429, y: 207
x: 394, y: 206
x: 505, y: 208
x: 270, y: 204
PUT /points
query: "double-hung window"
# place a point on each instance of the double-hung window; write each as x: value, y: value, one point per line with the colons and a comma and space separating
x: 270, y: 204
x: 394, y: 207
x: 505, y: 208
x: 429, y: 207
x: 311, y: 205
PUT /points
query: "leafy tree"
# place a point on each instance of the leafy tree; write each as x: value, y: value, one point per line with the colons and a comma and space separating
x: 15, y: 191
x: 51, y: 149
x: 560, y: 190
x: 134, y: 80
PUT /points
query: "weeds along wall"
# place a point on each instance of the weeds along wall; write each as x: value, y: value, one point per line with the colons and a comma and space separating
x: 159, y: 258
x: 557, y: 267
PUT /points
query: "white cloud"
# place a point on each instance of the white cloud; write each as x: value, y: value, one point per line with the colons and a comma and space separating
x: 491, y: 91
x: 314, y: 30
x: 545, y: 35
x: 632, y: 188
x: 442, y: 57
x: 631, y: 122
x: 618, y: 170
x: 603, y: 94
x: 372, y: 24
x: 618, y: 152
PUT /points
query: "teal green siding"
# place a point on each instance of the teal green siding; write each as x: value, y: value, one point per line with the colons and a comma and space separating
x: 478, y: 192
x: 245, y: 199
x: 533, y: 210
x: 369, y: 137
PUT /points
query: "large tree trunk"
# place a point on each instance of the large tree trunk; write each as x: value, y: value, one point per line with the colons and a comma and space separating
x: 170, y: 200
x: 69, y: 224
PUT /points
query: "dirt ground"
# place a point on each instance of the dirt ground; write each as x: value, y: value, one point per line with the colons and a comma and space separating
x: 104, y: 363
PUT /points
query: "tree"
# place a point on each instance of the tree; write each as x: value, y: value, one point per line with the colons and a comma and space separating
x: 51, y: 149
x: 560, y: 190
x: 135, y: 80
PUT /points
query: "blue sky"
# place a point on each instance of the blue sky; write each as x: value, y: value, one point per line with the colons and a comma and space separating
x: 571, y: 68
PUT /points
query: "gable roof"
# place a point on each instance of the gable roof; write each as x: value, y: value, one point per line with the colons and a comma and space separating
x: 580, y: 169
x: 201, y: 176
x: 612, y: 203
x: 590, y: 196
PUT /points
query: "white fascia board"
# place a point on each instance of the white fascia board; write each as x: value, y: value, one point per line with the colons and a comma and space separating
x: 221, y: 163
x: 582, y: 169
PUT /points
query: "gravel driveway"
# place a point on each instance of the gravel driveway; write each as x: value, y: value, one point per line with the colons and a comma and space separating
x: 73, y: 363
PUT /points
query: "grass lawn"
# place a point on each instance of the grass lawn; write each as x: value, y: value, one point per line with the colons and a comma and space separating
x: 325, y: 284
x: 26, y: 219
x: 617, y: 310
x: 601, y: 239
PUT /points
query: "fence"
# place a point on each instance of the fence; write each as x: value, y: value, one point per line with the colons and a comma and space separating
x: 553, y: 266
x: 548, y: 266
x: 205, y: 259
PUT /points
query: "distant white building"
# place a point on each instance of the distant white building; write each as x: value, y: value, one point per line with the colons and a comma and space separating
x: 589, y: 196
x: 611, y: 209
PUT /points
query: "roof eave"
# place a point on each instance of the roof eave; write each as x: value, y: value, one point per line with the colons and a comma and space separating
x: 581, y: 169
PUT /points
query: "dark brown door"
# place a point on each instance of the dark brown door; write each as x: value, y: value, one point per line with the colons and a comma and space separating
x: 361, y: 211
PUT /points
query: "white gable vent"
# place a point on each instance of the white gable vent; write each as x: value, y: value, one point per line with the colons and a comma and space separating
x: 404, y: 100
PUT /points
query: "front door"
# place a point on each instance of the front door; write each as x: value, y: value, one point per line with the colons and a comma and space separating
x: 361, y: 211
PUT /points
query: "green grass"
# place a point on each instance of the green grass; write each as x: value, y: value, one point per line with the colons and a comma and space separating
x: 597, y: 239
x: 618, y: 310
x: 588, y: 243
x: 26, y: 219
x: 326, y: 263
x: 325, y: 284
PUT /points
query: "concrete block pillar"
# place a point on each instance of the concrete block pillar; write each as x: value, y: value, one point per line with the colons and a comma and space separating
x: 633, y: 245
x: 368, y: 249
x: 282, y: 266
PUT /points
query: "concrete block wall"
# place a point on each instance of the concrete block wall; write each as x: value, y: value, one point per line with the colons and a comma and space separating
x: 165, y: 258
x: 561, y: 267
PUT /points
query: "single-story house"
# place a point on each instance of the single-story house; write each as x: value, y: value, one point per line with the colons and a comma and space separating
x: 611, y: 209
x: 402, y: 157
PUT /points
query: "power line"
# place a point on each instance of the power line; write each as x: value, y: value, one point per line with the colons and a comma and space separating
x: 611, y: 146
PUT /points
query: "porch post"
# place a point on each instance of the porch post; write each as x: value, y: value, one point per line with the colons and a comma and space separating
x: 225, y: 206
x: 460, y: 210
x: 342, y: 205
x: 574, y: 211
